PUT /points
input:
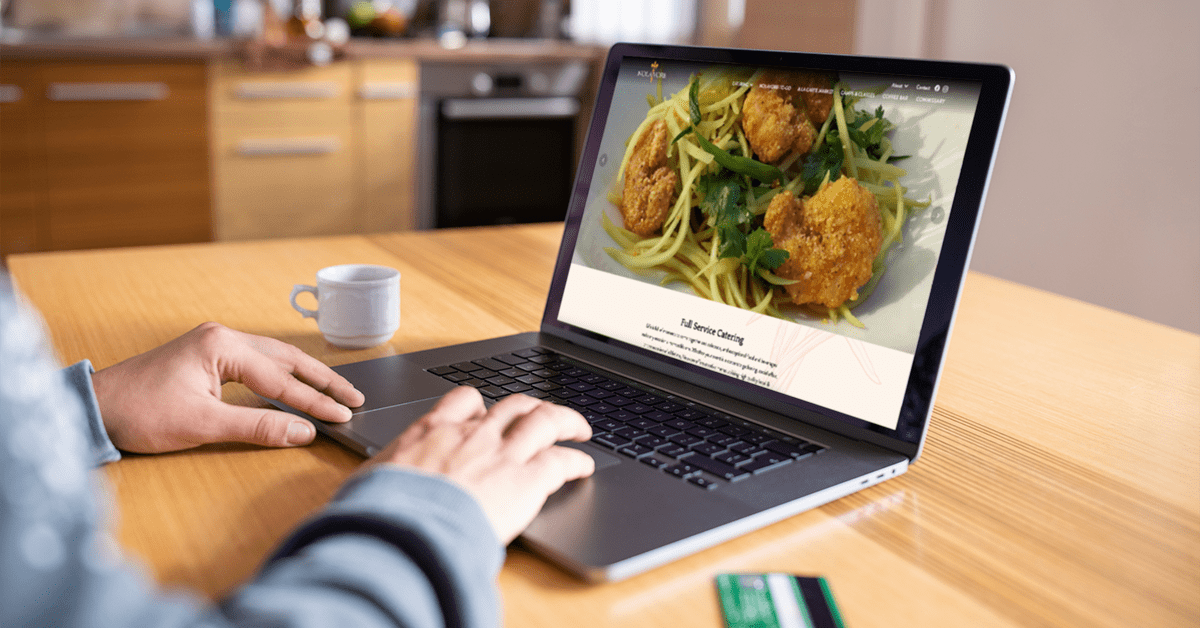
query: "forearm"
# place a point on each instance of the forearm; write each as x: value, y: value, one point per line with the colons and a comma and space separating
x: 393, y: 546
x: 354, y: 564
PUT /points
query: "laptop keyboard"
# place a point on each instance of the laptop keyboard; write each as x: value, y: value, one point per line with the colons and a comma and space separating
x: 701, y: 445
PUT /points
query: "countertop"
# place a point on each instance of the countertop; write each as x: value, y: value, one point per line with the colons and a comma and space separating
x: 423, y: 49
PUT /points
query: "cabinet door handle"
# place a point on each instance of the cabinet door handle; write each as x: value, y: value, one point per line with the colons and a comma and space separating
x: 297, y: 146
x: 10, y: 93
x: 91, y: 92
x: 378, y: 90
x: 286, y: 90
x: 493, y: 108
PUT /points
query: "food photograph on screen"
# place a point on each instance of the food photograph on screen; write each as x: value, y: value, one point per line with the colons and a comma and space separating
x: 809, y: 197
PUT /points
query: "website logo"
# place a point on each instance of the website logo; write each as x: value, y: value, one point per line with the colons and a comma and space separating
x: 653, y: 73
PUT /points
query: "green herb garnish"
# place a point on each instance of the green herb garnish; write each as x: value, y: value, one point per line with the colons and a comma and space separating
x: 724, y: 195
x: 760, y: 251
x: 827, y: 159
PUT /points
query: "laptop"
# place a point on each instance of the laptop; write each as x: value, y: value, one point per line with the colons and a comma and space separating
x: 758, y: 276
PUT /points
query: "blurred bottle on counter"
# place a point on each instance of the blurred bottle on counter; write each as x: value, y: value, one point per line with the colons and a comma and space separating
x: 224, y: 15
x: 274, y: 29
x: 479, y: 19
x: 453, y: 16
x: 462, y: 19
x: 248, y: 16
x: 550, y: 19
x: 306, y: 20
x: 203, y: 19
x: 379, y: 18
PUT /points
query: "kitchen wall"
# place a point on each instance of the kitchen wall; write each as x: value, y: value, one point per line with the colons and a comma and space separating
x: 825, y: 26
x: 1094, y: 192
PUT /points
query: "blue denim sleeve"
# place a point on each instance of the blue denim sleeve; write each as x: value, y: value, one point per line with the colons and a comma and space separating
x: 79, y: 379
x: 394, y: 548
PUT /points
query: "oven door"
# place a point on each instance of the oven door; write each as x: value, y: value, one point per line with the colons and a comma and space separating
x: 504, y: 160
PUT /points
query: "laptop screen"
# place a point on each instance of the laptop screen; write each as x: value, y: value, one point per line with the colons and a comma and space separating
x: 778, y: 226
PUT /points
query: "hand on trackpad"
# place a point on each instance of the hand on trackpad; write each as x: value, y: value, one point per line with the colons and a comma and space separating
x: 381, y: 425
x: 603, y: 459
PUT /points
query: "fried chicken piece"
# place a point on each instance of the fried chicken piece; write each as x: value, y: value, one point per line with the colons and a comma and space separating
x: 831, y: 241
x: 649, y: 182
x: 783, y: 119
x: 773, y: 125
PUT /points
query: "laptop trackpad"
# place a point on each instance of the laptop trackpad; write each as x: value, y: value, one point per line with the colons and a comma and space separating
x: 381, y: 425
x: 602, y: 458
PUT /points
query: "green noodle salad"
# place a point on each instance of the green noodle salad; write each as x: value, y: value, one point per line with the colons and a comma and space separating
x: 766, y: 190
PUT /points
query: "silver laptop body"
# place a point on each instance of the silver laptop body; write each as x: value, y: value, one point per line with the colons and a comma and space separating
x: 805, y: 404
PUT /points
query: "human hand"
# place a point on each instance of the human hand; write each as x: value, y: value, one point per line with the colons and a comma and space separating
x: 505, y: 456
x: 169, y: 398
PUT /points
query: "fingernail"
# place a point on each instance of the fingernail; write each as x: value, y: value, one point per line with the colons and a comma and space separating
x: 299, y: 433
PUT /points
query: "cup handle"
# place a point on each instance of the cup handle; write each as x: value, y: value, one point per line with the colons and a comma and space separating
x: 296, y: 290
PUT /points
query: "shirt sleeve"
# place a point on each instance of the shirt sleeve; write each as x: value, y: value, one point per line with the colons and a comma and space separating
x: 437, y: 558
x: 79, y: 378
x: 393, y: 548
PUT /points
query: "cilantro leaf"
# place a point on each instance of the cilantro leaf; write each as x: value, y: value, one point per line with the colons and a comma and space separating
x: 828, y: 158
x: 831, y: 156
x: 760, y: 252
x: 870, y: 140
x: 723, y: 200
x: 733, y: 241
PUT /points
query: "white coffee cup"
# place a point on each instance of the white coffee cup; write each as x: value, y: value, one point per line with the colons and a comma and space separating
x: 358, y: 305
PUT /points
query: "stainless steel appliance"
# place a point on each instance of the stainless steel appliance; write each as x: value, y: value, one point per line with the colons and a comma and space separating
x: 497, y: 141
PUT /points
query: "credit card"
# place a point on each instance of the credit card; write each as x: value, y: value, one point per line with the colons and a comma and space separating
x: 777, y: 600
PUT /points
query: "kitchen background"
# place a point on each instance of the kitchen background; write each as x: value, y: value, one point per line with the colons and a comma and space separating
x: 127, y: 122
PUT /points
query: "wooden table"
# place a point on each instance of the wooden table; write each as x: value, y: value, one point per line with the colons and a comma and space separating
x: 1060, y: 485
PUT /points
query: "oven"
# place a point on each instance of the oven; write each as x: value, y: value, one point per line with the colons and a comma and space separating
x: 497, y: 141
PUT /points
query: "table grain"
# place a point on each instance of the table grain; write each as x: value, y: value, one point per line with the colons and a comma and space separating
x: 1059, y: 485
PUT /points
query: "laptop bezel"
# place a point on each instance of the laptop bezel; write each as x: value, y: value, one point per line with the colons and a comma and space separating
x: 908, y: 437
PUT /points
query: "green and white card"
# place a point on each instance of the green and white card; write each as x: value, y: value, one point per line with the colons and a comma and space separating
x: 777, y: 600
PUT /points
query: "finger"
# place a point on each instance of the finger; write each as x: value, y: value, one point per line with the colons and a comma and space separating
x: 556, y: 466
x: 265, y: 377
x: 542, y: 427
x: 456, y: 407
x: 502, y: 415
x: 259, y: 426
x: 308, y: 369
x: 431, y: 441
x: 460, y: 405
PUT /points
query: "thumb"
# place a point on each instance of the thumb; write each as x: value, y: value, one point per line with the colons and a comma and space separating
x: 259, y: 426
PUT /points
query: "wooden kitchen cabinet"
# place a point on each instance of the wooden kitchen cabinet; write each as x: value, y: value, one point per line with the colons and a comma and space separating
x: 387, y: 143
x: 103, y: 154
x: 314, y: 151
x: 23, y: 225
x: 283, y: 152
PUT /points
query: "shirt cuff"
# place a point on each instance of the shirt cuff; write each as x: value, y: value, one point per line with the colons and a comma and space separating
x: 79, y: 378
